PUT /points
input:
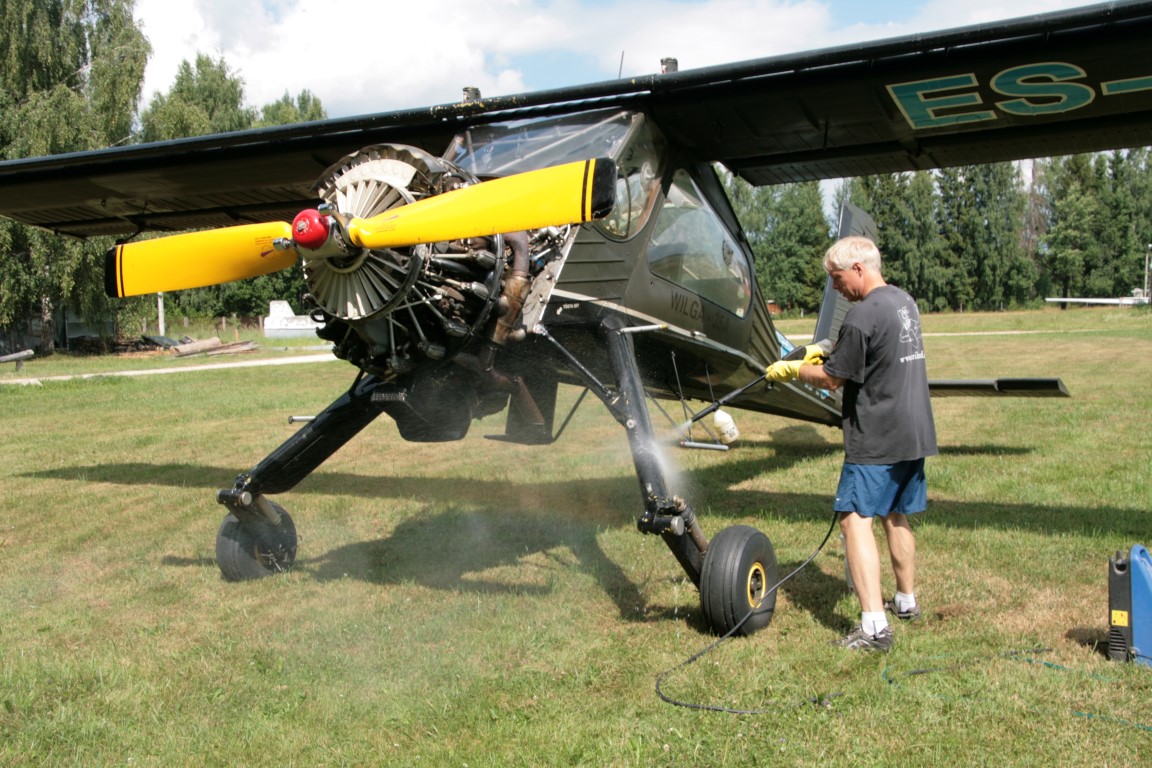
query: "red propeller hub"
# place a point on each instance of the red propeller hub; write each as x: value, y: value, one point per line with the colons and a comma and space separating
x: 310, y: 229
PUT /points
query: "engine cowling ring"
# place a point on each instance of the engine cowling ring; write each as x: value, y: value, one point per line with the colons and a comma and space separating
x: 423, y: 301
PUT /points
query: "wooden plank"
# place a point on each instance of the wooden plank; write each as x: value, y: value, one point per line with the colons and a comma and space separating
x: 17, y: 356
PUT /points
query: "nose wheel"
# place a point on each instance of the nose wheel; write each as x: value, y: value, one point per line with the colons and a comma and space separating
x: 738, y: 571
x: 255, y: 547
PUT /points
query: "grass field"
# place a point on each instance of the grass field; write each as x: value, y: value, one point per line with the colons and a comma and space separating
x: 478, y: 604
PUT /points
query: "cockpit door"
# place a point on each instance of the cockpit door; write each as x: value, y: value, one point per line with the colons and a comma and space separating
x: 695, y: 273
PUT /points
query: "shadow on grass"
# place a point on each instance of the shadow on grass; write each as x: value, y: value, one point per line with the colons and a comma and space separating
x: 817, y: 592
x: 1093, y: 638
x: 474, y: 526
x: 464, y: 550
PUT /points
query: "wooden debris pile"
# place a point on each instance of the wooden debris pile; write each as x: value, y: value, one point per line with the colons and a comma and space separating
x: 211, y: 347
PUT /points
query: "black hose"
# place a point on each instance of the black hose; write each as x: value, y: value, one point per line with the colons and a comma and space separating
x: 823, y: 701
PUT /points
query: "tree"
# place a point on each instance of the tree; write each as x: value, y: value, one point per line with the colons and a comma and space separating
x: 1098, y: 210
x: 209, y: 98
x: 304, y: 108
x: 885, y: 198
x: 981, y: 215
x: 788, y: 232
x: 70, y: 78
x: 905, y: 208
x: 1034, y: 226
x: 1141, y: 160
x: 798, y: 237
x: 929, y: 277
x: 1125, y: 199
x: 1072, y: 247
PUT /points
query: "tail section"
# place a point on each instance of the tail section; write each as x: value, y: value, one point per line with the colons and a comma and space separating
x: 854, y: 221
x: 833, y: 306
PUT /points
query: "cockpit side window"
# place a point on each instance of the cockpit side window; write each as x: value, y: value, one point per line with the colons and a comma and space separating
x: 637, y: 180
x: 692, y: 248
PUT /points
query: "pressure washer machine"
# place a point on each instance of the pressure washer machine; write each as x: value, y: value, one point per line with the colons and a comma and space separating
x: 1130, y: 606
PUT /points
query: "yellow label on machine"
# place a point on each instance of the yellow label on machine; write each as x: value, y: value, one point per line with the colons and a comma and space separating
x: 1119, y: 618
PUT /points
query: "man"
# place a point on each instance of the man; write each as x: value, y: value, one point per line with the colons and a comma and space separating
x: 888, y: 430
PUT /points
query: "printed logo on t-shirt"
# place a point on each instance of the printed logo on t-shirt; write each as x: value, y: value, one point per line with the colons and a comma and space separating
x: 910, y: 333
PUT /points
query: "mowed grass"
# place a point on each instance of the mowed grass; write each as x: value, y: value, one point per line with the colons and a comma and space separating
x: 484, y: 604
x: 66, y: 364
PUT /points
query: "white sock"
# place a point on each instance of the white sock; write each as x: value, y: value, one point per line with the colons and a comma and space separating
x: 904, y: 602
x: 873, y: 622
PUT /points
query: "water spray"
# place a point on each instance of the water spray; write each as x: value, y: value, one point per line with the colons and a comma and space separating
x: 722, y: 420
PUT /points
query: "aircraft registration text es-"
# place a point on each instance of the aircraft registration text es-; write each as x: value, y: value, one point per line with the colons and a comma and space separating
x: 1044, y: 88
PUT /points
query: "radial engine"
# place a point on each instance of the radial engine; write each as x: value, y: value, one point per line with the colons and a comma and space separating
x: 405, y: 314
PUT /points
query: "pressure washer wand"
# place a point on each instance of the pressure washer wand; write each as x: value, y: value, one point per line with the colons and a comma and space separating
x: 722, y: 402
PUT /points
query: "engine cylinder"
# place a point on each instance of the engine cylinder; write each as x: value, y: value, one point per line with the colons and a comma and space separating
x: 423, y: 301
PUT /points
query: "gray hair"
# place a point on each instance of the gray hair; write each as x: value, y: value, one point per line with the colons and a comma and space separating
x: 849, y: 250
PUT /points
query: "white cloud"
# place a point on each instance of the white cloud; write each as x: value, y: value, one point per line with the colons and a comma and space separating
x: 176, y: 32
x: 941, y: 14
x: 363, y: 56
x: 716, y: 32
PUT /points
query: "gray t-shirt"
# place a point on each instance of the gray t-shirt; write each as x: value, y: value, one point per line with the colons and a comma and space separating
x: 887, y: 410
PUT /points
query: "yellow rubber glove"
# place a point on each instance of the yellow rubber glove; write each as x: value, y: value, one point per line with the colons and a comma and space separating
x: 815, y: 354
x: 812, y: 354
x: 784, y: 370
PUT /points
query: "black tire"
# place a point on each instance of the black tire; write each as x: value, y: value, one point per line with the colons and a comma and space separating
x: 738, y: 567
x: 255, y: 548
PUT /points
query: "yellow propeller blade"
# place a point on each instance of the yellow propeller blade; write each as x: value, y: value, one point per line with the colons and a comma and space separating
x: 572, y: 193
x: 196, y: 259
x: 565, y: 194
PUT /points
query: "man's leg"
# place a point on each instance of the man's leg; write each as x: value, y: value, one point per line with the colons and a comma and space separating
x: 902, y: 548
x: 863, y: 560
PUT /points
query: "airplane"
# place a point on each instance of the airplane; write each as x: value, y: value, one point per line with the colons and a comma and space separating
x: 1138, y: 298
x: 469, y: 258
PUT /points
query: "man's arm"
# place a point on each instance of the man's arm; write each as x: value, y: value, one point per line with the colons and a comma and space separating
x: 818, y: 377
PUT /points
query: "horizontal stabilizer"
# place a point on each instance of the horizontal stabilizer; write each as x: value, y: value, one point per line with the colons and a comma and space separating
x: 1121, y: 301
x: 998, y: 388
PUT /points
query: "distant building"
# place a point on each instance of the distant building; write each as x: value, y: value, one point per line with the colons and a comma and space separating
x: 67, y: 328
x: 283, y: 323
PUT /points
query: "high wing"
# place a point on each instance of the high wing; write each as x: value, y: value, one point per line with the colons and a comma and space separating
x: 1045, y: 85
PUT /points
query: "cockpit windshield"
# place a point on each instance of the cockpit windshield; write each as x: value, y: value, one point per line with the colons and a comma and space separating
x: 504, y: 149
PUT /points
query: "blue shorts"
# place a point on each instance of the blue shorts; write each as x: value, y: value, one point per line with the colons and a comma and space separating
x: 877, y: 489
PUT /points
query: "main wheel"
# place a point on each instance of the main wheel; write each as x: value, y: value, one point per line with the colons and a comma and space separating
x: 739, y: 568
x: 255, y: 548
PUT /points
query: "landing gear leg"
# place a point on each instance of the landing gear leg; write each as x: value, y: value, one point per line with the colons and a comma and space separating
x: 258, y: 538
x: 736, y: 570
x: 670, y: 517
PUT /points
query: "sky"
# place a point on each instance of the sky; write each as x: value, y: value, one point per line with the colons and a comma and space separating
x: 366, y: 56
